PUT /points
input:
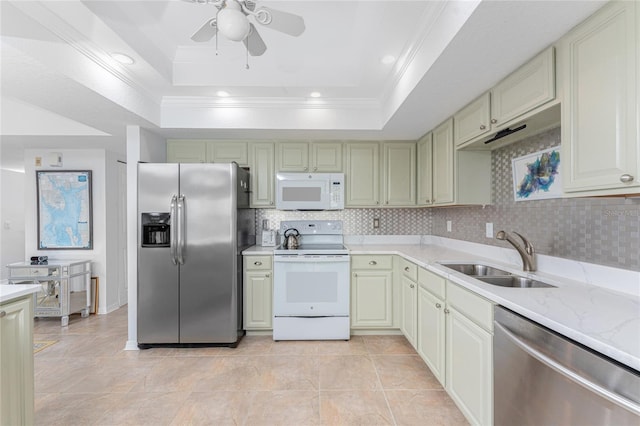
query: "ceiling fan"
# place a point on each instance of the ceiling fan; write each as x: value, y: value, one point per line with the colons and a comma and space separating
x: 232, y: 21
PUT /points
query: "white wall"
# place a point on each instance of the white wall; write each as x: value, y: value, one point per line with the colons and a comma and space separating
x: 12, y: 219
x: 103, y: 165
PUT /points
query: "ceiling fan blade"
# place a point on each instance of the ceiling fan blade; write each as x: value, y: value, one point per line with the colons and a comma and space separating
x: 206, y: 32
x: 254, y: 43
x: 285, y: 22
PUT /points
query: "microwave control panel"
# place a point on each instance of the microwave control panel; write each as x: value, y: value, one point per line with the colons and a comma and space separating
x: 337, y: 194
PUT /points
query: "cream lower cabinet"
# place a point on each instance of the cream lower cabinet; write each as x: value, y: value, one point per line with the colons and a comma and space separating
x: 600, y: 126
x: 258, y: 292
x: 431, y: 322
x: 16, y: 358
x: 469, y: 353
x: 371, y: 291
x: 408, y: 300
x: 455, y: 340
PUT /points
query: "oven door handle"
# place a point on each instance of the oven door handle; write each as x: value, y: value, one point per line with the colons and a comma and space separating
x: 310, y: 259
x: 567, y: 373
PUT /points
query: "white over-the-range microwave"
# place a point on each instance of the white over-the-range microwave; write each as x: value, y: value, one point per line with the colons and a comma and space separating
x: 310, y: 191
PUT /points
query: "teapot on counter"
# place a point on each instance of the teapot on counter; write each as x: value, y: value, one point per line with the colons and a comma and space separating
x: 291, y: 238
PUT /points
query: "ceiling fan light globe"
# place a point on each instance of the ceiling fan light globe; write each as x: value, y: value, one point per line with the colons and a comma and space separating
x: 233, y: 24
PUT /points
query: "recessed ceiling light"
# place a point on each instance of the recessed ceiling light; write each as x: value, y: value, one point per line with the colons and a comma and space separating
x: 315, y: 94
x: 122, y: 58
x: 222, y: 94
x: 388, y: 59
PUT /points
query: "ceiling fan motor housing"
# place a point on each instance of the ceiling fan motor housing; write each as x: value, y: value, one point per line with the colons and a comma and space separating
x: 232, y: 23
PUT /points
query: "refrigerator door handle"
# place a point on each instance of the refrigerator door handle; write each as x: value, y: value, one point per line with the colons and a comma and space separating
x: 173, y: 230
x: 181, y: 229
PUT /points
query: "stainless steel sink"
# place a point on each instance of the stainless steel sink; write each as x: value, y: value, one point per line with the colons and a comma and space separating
x: 476, y: 269
x: 514, y: 281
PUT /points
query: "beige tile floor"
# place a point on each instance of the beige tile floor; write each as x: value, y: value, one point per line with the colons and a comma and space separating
x: 87, y: 378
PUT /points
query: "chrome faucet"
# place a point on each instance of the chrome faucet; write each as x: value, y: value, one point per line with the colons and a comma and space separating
x: 527, y: 253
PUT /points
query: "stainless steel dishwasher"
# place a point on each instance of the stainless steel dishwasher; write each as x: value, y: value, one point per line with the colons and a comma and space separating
x: 543, y: 378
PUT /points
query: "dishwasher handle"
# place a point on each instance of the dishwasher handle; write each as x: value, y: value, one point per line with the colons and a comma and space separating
x: 571, y: 375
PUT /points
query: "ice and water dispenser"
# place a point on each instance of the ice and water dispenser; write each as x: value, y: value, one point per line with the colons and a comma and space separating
x: 156, y: 230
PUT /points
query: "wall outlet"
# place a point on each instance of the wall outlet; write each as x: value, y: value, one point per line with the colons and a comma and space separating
x: 489, y: 230
x: 448, y: 226
x: 376, y: 223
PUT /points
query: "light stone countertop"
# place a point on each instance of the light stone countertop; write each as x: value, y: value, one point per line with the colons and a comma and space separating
x: 9, y: 292
x: 602, y: 316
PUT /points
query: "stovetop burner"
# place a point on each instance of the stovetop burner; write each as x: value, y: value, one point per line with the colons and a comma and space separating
x: 316, y: 238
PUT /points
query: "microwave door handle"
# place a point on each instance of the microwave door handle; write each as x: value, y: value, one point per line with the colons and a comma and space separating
x: 173, y: 229
x: 181, y: 229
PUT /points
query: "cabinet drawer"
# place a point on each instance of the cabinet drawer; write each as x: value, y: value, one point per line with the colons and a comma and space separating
x: 371, y: 262
x: 409, y: 270
x: 474, y: 307
x: 433, y: 283
x: 256, y: 263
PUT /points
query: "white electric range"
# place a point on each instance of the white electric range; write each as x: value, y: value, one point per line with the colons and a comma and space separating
x: 311, y: 284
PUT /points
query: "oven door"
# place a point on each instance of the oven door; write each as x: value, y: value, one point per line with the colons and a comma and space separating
x: 311, y: 285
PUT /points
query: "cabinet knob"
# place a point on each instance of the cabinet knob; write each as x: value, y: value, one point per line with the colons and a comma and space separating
x: 306, y: 168
x: 3, y: 314
x: 373, y: 262
x: 315, y: 169
x: 626, y: 178
x: 482, y: 127
x: 267, y: 275
x: 438, y: 305
x: 406, y: 268
x: 377, y: 202
x: 446, y: 311
x: 494, y: 121
x: 257, y: 263
x: 411, y: 286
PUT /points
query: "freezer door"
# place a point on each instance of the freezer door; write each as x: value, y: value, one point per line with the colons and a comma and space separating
x: 208, y: 283
x: 158, y: 319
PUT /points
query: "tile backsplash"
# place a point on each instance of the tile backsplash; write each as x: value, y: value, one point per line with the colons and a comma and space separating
x: 596, y: 230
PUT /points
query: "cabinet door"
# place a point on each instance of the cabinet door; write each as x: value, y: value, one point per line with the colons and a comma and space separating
x: 362, y: 174
x: 530, y: 86
x: 472, y: 120
x: 262, y: 175
x: 16, y: 358
x: 180, y: 151
x: 399, y: 171
x: 425, y: 171
x: 469, y: 367
x: 431, y: 332
x: 409, y: 316
x: 258, y: 311
x: 600, y: 141
x: 371, y: 299
x: 443, y: 164
x: 226, y: 152
x: 326, y: 157
x: 292, y: 157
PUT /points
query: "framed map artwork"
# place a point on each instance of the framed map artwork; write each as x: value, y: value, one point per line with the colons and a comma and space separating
x: 64, y: 210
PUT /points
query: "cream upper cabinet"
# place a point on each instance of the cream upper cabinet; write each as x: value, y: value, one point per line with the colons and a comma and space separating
x: 425, y: 171
x: 326, y: 157
x: 524, y: 91
x: 261, y: 163
x: 459, y: 177
x: 473, y: 120
x: 258, y: 290
x: 316, y: 157
x: 292, y: 156
x: 600, y: 125
x: 207, y: 151
x: 362, y: 178
x: 16, y: 358
x: 227, y: 151
x: 443, y: 163
x: 371, y: 291
x: 399, y: 173
x: 184, y: 151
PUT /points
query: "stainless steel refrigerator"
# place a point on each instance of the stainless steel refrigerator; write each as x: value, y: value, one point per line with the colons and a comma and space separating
x: 194, y: 221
